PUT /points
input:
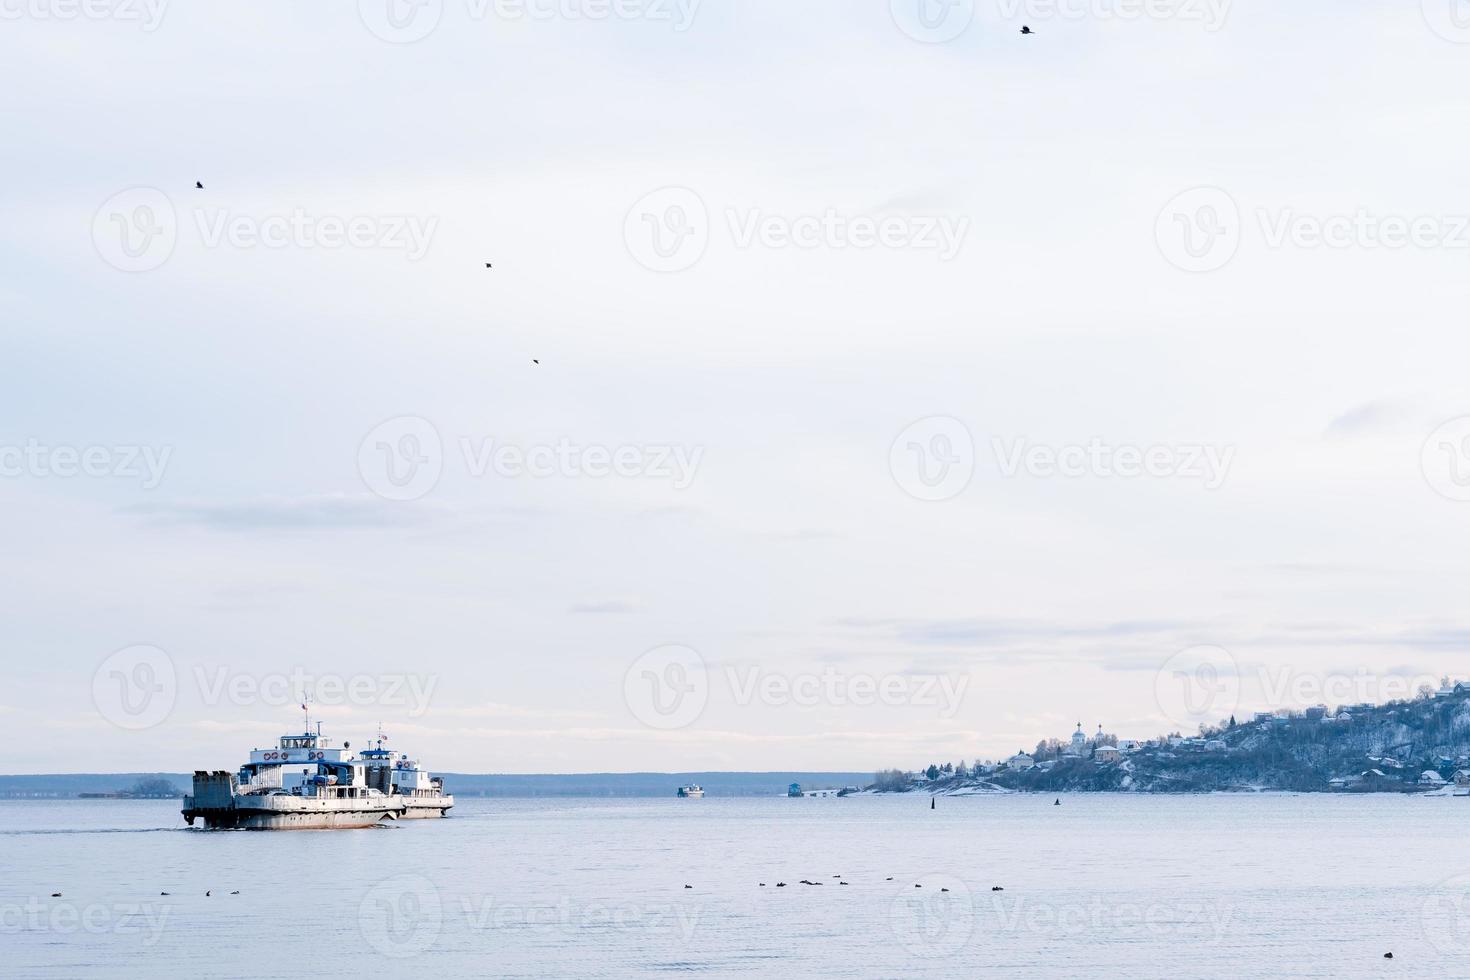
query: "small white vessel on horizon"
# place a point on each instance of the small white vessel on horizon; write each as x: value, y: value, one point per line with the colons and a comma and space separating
x: 690, y: 792
x: 307, y: 783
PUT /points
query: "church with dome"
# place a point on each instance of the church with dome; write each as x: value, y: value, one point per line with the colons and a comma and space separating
x: 1078, y: 745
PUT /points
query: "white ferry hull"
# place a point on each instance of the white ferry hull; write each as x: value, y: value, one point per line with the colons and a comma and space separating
x: 221, y: 806
x: 295, y: 813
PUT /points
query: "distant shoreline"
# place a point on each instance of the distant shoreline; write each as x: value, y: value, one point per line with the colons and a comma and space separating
x: 471, y: 785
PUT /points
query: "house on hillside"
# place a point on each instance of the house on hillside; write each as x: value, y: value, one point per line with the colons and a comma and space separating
x: 1104, y: 754
x: 1430, y: 778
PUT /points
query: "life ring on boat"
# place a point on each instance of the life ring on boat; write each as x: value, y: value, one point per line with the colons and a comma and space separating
x: 285, y: 756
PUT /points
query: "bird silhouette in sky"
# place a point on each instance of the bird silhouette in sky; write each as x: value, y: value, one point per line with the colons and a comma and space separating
x: 488, y: 265
x: 198, y: 186
x: 1026, y: 30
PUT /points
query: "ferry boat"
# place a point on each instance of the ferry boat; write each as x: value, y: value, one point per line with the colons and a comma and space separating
x: 690, y: 792
x: 307, y: 783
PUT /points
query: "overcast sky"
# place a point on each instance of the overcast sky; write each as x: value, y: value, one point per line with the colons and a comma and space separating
x: 909, y: 389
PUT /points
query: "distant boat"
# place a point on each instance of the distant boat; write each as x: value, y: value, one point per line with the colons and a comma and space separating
x: 690, y: 792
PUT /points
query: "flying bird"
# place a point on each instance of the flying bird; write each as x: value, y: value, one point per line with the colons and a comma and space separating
x: 535, y: 361
x: 489, y: 266
x: 198, y: 186
x: 1026, y: 30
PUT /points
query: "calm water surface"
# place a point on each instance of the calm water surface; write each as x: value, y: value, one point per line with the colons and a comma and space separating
x: 1214, y: 886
